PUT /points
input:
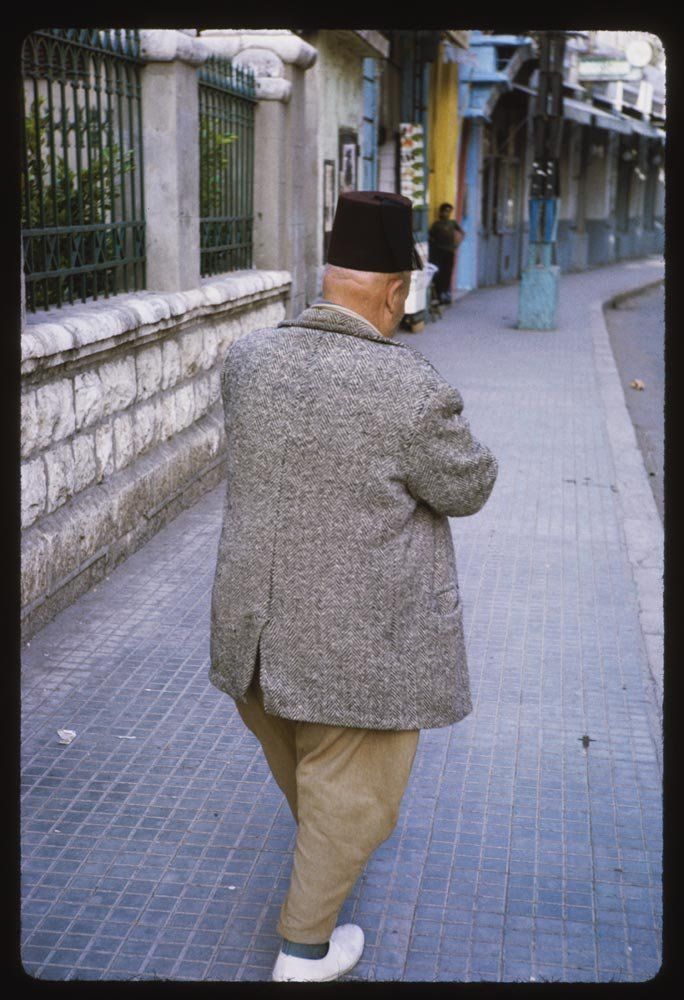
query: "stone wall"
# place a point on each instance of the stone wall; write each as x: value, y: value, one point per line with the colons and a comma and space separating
x: 121, y: 424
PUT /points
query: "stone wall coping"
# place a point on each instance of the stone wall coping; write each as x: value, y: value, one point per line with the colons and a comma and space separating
x: 264, y: 52
x: 78, y: 326
x: 165, y: 45
x: 289, y: 47
x: 273, y: 89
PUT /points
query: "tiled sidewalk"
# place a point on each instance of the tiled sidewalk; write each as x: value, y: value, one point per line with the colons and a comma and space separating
x: 156, y: 845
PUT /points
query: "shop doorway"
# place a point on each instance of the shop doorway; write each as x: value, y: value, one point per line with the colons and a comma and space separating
x: 503, y: 191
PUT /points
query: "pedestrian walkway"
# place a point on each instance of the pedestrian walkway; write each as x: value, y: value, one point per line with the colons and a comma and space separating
x: 156, y: 845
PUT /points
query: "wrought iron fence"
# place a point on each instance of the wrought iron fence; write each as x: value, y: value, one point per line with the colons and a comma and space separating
x: 82, y: 211
x: 226, y: 113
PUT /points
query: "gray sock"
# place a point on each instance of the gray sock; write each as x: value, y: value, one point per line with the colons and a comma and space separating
x: 304, y: 950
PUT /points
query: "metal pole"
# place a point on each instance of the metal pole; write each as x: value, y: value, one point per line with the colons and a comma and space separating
x: 539, y: 285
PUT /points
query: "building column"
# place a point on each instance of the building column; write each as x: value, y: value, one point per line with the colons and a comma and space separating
x: 637, y: 199
x: 443, y: 114
x: 270, y: 186
x: 466, y: 276
x: 170, y: 116
x: 599, y: 200
x: 369, y: 137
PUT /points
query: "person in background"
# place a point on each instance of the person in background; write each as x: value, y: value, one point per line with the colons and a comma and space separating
x: 444, y: 237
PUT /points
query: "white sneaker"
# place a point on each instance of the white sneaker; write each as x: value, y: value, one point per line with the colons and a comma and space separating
x: 344, y: 951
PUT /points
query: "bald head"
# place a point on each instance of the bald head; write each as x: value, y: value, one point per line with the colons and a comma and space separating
x: 378, y: 297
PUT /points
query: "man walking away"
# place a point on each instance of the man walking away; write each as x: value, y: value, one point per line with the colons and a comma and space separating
x: 336, y: 619
x: 444, y: 236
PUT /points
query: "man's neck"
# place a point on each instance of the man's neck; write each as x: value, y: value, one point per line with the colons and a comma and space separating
x: 356, y: 311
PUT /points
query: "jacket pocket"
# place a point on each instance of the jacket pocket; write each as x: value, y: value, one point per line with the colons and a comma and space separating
x: 444, y: 581
x: 446, y: 601
x: 450, y: 672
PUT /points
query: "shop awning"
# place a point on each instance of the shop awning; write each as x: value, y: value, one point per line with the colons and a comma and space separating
x: 589, y: 114
x: 645, y: 128
x: 606, y: 119
x: 577, y: 111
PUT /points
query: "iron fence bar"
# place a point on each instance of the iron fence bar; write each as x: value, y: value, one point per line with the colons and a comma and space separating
x: 84, y: 268
x: 91, y: 191
x: 79, y: 193
x: 242, y: 135
x: 237, y: 256
x: 94, y: 266
x: 250, y: 176
x: 53, y: 174
x: 244, y: 192
x: 250, y: 170
x: 245, y: 96
x: 24, y: 161
x: 241, y: 185
x: 25, y: 184
x: 85, y: 228
x: 231, y: 199
x: 245, y: 228
x: 96, y: 61
x: 120, y: 93
x: 203, y: 173
x: 38, y: 145
x: 241, y: 153
x: 130, y: 95
x: 65, y: 148
x: 237, y: 176
x: 142, y: 278
x: 109, y: 91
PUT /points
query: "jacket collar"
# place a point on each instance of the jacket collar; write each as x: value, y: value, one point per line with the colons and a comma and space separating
x: 322, y: 317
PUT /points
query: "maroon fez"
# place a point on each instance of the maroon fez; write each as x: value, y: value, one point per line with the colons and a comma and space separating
x: 373, y: 231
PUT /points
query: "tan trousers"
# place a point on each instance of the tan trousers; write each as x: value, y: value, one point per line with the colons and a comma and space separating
x: 344, y: 787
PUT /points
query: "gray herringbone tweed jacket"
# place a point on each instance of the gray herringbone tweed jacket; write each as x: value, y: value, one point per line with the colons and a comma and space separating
x: 347, y: 452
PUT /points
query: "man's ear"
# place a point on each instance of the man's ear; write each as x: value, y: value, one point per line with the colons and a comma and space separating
x: 395, y: 290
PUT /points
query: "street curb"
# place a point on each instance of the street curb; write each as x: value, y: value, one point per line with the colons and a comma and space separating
x: 643, y: 529
x: 615, y: 300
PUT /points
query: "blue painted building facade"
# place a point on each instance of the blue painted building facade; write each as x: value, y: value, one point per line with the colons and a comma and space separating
x: 369, y: 134
x: 612, y: 184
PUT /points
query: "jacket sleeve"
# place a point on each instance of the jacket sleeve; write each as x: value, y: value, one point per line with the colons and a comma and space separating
x: 448, y: 469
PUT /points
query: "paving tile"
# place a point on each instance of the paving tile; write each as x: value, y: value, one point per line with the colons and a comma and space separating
x: 516, y: 853
x: 516, y: 971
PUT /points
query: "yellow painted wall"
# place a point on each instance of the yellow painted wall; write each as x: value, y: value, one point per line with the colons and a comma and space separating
x: 443, y: 133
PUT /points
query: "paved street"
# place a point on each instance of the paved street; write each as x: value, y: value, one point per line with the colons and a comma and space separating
x: 156, y: 845
x: 637, y: 336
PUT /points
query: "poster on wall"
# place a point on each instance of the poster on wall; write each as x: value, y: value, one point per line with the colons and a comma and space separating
x: 328, y: 203
x: 412, y: 163
x: 349, y: 151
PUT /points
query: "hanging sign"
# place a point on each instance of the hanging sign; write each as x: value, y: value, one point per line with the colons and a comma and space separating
x: 604, y: 68
x: 412, y: 163
x: 348, y: 159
